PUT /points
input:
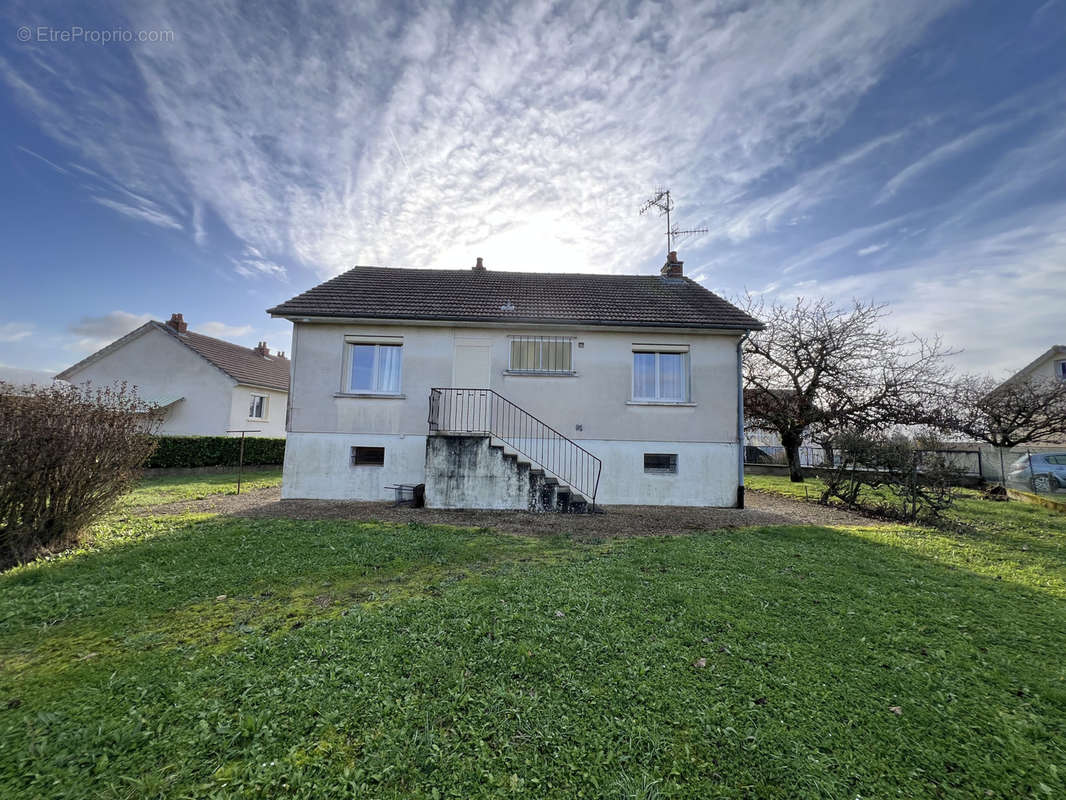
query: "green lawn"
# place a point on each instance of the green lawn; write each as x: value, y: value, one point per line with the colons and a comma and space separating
x: 203, y: 656
x: 170, y: 489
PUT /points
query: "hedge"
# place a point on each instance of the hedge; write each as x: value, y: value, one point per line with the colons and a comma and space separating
x: 214, y: 451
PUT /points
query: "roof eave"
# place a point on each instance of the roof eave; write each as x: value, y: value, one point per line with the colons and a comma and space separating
x: 294, y: 317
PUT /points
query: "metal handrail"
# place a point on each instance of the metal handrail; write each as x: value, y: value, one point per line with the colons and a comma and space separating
x: 483, y: 411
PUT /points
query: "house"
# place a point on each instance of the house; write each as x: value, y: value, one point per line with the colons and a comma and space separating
x: 1051, y: 365
x: 515, y: 390
x: 1048, y: 366
x: 205, y: 386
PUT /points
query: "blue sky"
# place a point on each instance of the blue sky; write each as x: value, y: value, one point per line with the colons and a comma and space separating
x: 911, y: 152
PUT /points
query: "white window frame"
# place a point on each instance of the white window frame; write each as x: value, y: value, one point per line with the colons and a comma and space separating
x: 264, y: 416
x: 657, y: 350
x: 540, y: 339
x: 1060, y: 370
x: 377, y: 342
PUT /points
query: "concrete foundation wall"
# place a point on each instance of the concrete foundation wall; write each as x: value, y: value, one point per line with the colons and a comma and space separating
x: 317, y: 465
x: 706, y: 474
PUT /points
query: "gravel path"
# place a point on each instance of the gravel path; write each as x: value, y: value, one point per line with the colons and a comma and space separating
x: 762, y: 509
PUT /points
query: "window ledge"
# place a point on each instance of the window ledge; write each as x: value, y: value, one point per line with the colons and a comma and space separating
x: 257, y: 419
x: 375, y: 395
x: 535, y: 373
x: 659, y: 403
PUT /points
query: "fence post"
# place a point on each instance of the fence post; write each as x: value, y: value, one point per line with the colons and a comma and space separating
x: 240, y: 461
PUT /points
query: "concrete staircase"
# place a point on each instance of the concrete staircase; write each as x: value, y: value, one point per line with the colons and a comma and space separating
x: 477, y: 470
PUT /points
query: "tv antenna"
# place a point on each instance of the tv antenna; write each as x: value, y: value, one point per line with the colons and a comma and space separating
x: 674, y: 234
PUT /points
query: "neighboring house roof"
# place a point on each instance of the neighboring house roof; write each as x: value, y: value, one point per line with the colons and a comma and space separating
x: 1055, y: 351
x: 521, y: 297
x: 244, y: 364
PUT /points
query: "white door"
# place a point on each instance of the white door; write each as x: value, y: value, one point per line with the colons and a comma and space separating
x: 472, y: 371
x: 471, y: 365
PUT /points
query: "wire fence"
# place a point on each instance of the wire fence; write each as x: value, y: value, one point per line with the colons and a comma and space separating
x: 968, y: 462
x: 1037, y: 472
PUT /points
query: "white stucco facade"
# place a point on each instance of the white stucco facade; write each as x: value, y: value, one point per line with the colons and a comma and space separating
x: 593, y: 406
x: 162, y: 369
x: 272, y: 424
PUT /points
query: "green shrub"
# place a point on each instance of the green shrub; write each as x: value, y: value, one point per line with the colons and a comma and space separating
x: 214, y: 451
x: 66, y: 454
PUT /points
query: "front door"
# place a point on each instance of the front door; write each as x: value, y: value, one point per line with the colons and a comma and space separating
x: 469, y: 410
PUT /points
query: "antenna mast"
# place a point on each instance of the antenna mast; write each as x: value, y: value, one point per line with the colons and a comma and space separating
x: 661, y: 200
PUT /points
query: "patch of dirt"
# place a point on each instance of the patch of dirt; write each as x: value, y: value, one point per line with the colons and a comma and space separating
x: 762, y: 509
x: 803, y: 512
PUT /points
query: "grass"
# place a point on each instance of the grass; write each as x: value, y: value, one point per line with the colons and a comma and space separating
x: 202, y: 656
x: 1011, y: 541
x: 171, y: 488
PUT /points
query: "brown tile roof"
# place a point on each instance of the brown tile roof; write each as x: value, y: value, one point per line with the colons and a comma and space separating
x: 243, y: 364
x: 488, y: 296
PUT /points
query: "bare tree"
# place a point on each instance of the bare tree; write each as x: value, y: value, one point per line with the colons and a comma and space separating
x: 819, y: 367
x: 1005, y: 415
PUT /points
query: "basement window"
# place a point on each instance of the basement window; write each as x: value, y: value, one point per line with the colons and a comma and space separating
x: 368, y: 456
x: 660, y: 463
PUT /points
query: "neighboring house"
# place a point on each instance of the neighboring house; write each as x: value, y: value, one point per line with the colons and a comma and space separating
x: 515, y: 390
x: 1051, y: 365
x: 206, y: 386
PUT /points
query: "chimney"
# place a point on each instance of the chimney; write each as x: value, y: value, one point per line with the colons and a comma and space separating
x: 177, y: 323
x: 672, y: 268
x: 262, y: 349
x: 480, y: 265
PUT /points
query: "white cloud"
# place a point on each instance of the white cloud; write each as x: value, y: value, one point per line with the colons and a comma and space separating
x: 874, y: 248
x: 996, y: 295
x: 50, y: 163
x: 542, y: 123
x: 253, y: 264
x: 145, y: 213
x: 945, y: 152
x: 95, y: 332
x: 15, y: 331
x: 221, y: 330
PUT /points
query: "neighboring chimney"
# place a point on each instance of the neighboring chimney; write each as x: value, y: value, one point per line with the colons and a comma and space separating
x: 672, y: 268
x: 262, y: 349
x: 480, y: 265
x: 177, y: 323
